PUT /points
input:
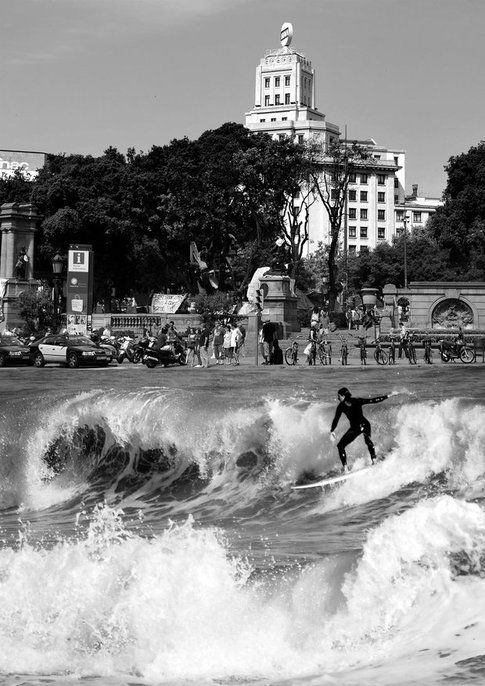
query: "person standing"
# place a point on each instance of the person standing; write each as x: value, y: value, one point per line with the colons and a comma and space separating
x: 218, y: 343
x: 236, y: 338
x: 352, y: 409
x: 204, y: 337
x: 228, y: 350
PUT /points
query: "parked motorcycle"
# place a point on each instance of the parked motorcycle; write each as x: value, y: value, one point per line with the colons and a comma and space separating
x: 111, y: 344
x: 171, y: 353
x: 130, y: 350
x: 456, y: 350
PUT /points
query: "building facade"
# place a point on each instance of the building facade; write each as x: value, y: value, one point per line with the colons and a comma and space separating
x: 285, y: 105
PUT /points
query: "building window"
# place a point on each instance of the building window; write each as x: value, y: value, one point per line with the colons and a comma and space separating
x: 352, y: 177
x: 381, y: 197
x: 284, y: 118
x: 352, y: 250
x: 363, y: 231
x: 381, y: 179
x: 352, y: 232
x: 364, y: 178
x: 352, y: 213
x: 381, y: 233
x: 364, y: 248
x: 381, y: 215
x: 276, y: 81
x: 266, y: 100
x: 396, y: 199
x: 273, y: 118
x: 363, y: 214
x: 396, y: 182
x: 266, y: 82
x: 396, y: 161
x: 262, y: 120
x: 287, y: 80
x: 301, y: 138
x: 277, y: 100
x: 417, y: 217
x: 287, y: 98
x: 353, y: 196
x: 363, y: 196
x: 400, y: 215
x: 377, y: 157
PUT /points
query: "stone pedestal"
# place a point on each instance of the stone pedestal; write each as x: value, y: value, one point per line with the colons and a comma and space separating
x: 9, y: 309
x: 279, y: 305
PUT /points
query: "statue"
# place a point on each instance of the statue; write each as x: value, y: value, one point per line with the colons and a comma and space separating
x: 21, y: 264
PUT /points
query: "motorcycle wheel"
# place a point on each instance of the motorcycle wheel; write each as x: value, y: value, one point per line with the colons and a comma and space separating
x: 444, y: 356
x: 137, y: 357
x: 182, y: 359
x: 467, y: 355
x: 150, y: 364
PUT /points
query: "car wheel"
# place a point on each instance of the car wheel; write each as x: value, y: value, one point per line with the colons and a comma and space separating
x: 72, y: 361
x: 39, y: 360
x: 3, y: 360
x: 150, y: 364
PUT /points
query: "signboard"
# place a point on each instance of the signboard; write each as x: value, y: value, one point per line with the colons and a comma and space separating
x: 79, y: 288
x: 166, y: 302
x: 29, y: 163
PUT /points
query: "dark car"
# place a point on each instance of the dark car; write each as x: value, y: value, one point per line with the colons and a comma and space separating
x: 70, y: 350
x: 13, y: 351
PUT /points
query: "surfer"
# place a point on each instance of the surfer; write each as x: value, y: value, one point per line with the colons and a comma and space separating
x: 352, y: 409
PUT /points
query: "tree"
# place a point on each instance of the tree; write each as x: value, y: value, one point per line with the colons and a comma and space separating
x: 16, y: 188
x: 458, y: 227
x: 330, y: 175
x: 37, y: 309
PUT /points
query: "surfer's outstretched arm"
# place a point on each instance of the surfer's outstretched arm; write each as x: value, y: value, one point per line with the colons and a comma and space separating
x: 370, y: 401
x: 338, y: 413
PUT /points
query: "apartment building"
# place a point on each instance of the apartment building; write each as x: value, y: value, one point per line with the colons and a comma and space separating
x: 285, y: 105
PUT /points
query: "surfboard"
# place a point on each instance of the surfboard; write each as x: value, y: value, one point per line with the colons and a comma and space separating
x: 332, y: 480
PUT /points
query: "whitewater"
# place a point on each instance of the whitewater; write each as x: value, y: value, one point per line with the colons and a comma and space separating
x: 150, y: 536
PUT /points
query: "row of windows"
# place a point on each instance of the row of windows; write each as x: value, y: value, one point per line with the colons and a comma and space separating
x: 364, y: 178
x: 381, y: 214
x: 277, y: 100
x: 381, y: 232
x: 353, y: 249
x: 417, y: 216
x: 277, y: 81
x: 381, y: 196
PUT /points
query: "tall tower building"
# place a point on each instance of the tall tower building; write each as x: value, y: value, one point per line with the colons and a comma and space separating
x: 285, y: 96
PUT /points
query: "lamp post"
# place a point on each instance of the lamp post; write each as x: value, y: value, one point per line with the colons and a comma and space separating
x: 405, y: 232
x: 57, y: 266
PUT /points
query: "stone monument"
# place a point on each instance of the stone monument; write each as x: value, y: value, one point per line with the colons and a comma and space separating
x: 18, y: 224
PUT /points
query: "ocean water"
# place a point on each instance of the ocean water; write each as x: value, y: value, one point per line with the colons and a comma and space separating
x: 151, y: 536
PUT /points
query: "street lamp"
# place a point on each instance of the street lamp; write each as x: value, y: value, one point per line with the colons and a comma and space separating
x: 57, y: 267
x: 405, y: 221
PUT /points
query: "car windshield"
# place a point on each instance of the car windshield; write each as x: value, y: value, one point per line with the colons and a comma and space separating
x: 9, y: 340
x: 81, y: 340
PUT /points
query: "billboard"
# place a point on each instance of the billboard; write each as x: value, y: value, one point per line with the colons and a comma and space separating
x: 79, y: 290
x: 29, y: 163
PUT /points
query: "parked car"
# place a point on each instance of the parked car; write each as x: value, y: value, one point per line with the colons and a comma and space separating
x: 72, y: 351
x: 13, y: 351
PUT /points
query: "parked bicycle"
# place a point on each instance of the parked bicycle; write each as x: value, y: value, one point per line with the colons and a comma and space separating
x: 380, y: 354
x: 428, y: 354
x: 291, y: 354
x: 363, y: 350
x: 410, y: 350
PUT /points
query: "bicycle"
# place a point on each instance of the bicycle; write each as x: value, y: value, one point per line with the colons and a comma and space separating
x: 428, y: 354
x: 291, y: 354
x: 363, y: 350
x: 380, y: 354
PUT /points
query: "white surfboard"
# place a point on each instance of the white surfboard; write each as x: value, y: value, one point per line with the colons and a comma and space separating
x: 332, y: 480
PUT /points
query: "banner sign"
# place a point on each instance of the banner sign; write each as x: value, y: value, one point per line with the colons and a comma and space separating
x: 166, y: 302
x: 79, y: 291
x: 28, y: 163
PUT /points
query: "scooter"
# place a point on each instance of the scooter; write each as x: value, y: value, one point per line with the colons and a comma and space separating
x: 456, y: 351
x: 171, y: 353
x: 130, y: 350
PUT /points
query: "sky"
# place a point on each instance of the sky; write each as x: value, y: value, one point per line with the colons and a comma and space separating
x: 80, y: 75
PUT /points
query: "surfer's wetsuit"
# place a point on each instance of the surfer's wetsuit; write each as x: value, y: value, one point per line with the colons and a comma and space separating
x: 352, y: 409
